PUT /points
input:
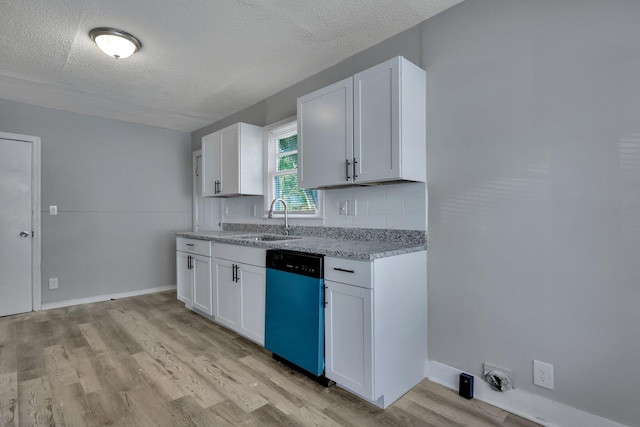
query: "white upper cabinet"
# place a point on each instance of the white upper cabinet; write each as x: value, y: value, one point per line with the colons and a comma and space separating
x: 368, y: 128
x: 232, y: 161
x: 325, y: 124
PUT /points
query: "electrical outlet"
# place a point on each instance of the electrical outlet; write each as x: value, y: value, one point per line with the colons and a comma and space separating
x: 53, y: 283
x: 543, y: 374
x: 53, y: 210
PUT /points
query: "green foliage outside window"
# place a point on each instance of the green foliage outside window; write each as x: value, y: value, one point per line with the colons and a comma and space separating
x: 286, y: 185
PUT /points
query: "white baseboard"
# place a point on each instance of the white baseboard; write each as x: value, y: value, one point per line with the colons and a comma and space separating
x: 527, y: 405
x: 100, y: 298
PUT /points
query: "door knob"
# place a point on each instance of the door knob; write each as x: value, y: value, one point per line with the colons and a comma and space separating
x: 24, y: 234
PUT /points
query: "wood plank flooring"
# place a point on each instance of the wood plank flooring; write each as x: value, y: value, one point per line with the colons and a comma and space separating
x: 147, y: 361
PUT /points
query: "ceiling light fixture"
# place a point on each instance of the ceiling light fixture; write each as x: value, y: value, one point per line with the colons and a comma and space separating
x: 115, y: 43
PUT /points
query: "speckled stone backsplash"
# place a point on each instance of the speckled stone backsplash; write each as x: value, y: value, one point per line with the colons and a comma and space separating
x: 416, y: 237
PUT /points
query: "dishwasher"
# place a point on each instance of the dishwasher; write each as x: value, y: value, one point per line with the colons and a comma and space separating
x: 294, y: 323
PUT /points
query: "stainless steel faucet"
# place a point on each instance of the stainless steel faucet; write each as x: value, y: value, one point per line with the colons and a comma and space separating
x: 286, y: 215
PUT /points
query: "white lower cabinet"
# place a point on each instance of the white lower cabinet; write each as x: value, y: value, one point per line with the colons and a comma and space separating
x: 184, y: 284
x: 376, y: 325
x: 239, y: 278
x: 193, y: 265
x: 202, y: 292
x: 348, y: 337
x: 225, y: 288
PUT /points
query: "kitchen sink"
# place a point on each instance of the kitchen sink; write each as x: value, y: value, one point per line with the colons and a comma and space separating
x: 266, y: 237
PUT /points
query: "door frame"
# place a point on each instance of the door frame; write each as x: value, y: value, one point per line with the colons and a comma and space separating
x: 194, y: 173
x: 36, y: 240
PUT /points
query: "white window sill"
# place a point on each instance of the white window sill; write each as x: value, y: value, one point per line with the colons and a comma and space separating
x: 294, y: 216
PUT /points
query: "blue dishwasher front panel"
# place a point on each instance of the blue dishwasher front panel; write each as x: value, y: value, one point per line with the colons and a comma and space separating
x: 294, y: 324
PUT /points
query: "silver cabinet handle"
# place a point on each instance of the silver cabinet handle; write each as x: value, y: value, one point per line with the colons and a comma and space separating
x: 347, y: 169
x: 24, y: 234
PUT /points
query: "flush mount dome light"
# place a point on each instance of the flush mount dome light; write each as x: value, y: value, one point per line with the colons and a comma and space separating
x: 115, y: 43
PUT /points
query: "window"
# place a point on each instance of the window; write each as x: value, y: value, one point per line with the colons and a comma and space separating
x: 282, y: 146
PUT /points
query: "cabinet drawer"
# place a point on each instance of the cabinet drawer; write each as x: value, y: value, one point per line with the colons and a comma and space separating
x: 241, y: 254
x: 358, y: 273
x: 194, y: 246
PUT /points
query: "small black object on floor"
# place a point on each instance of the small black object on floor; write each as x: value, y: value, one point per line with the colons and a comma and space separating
x: 466, y: 386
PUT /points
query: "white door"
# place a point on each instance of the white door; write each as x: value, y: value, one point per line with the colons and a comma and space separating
x: 15, y: 227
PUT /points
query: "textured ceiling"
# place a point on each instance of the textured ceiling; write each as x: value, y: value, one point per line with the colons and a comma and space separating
x: 201, y: 60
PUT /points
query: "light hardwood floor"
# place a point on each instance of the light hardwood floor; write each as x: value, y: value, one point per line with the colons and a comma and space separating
x: 147, y: 361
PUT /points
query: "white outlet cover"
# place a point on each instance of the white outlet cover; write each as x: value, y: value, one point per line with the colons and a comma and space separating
x: 53, y: 210
x: 53, y: 283
x: 543, y: 374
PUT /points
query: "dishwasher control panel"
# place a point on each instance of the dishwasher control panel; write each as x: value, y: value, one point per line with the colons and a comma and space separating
x: 302, y: 263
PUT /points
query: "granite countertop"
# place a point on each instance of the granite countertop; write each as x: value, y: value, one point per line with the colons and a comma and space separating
x: 363, y: 250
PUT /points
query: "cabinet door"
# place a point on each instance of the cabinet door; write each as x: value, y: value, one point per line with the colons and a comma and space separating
x: 325, y: 135
x: 252, y: 302
x: 225, y: 298
x: 210, y: 161
x: 184, y: 285
x: 376, y: 122
x: 349, y: 337
x: 229, y: 161
x: 202, y: 292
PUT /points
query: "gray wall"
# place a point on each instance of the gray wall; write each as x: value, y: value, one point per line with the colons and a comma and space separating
x: 533, y: 160
x: 533, y: 152
x: 121, y: 189
x: 398, y: 206
x: 283, y: 104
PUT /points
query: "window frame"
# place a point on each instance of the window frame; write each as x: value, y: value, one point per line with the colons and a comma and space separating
x: 271, y: 134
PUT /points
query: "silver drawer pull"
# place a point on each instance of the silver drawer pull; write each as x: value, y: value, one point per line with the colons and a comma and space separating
x: 343, y: 270
x: 189, y: 244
